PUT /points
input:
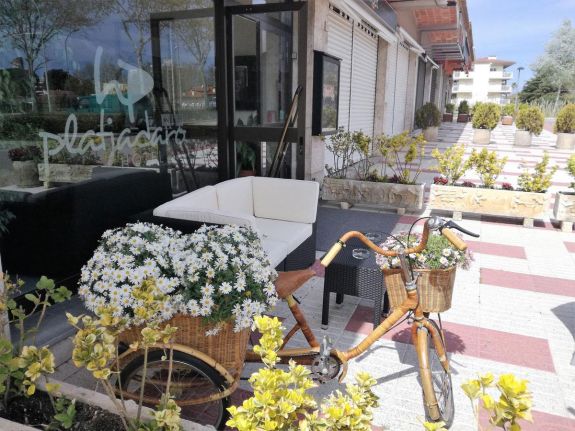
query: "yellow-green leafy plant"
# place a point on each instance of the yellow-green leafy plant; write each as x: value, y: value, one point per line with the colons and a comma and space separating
x: 565, y: 122
x: 486, y: 115
x: 362, y: 146
x: 281, y: 402
x: 488, y: 165
x: 508, y: 109
x: 514, y: 402
x: 540, y: 179
x: 96, y: 349
x: 341, y: 147
x: 450, y: 163
x: 530, y: 119
x: 571, y: 168
x: 403, y: 154
x: 23, y: 366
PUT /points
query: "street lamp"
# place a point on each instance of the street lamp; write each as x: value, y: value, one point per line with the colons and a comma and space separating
x: 519, y: 69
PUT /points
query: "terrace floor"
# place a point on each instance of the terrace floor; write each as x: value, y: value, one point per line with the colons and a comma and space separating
x: 513, y: 311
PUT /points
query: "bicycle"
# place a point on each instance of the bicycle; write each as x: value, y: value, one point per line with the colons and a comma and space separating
x: 202, y: 387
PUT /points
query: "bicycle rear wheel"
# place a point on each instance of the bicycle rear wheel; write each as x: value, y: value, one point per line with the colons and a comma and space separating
x: 191, y: 379
x: 435, y: 379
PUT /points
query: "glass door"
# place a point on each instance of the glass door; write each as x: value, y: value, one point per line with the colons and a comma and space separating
x: 183, y: 60
x: 262, y: 77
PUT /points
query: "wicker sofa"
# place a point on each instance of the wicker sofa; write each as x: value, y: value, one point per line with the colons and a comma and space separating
x: 282, y: 211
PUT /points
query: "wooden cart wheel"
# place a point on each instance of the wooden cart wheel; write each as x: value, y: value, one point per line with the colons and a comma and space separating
x: 192, y: 379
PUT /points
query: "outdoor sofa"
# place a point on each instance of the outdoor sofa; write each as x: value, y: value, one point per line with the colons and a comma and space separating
x: 282, y: 211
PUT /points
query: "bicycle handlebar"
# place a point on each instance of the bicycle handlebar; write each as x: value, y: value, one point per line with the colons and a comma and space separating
x: 433, y: 223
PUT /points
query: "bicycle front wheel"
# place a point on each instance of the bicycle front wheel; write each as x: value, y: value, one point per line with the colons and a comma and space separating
x: 435, y: 378
x: 192, y: 379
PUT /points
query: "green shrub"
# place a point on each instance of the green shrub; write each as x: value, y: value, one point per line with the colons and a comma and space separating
x: 427, y: 116
x: 449, y: 108
x: 540, y: 179
x: 530, y: 119
x: 487, y: 165
x: 571, y: 168
x: 450, y: 163
x: 402, y: 154
x: 463, y: 107
x: 566, y: 119
x: 508, y: 109
x: 473, y: 107
x: 486, y: 116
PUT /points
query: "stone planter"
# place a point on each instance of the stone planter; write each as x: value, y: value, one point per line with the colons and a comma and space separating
x: 507, y: 120
x: 462, y: 118
x: 522, y: 138
x: 26, y: 173
x: 565, y: 141
x: 447, y: 118
x: 564, y: 210
x: 389, y: 195
x: 431, y: 133
x: 59, y: 173
x: 481, y: 136
x: 511, y: 203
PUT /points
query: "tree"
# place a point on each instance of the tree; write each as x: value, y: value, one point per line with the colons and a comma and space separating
x: 29, y: 25
x: 536, y: 88
x: 558, y: 60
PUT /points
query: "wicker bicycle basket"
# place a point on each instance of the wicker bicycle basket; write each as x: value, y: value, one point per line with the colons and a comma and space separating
x: 435, y: 288
x: 227, y: 347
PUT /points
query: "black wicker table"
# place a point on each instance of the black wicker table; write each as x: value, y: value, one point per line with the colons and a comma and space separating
x: 347, y: 275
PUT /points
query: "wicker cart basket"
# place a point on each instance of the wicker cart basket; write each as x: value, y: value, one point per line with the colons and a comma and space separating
x: 435, y: 288
x: 227, y: 347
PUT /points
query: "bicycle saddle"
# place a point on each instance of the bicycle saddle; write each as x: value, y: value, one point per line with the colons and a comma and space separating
x: 290, y: 281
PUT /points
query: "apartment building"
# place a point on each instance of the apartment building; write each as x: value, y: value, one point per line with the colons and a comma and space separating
x: 488, y: 81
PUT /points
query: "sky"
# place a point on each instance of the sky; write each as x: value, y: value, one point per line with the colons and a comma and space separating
x: 516, y: 30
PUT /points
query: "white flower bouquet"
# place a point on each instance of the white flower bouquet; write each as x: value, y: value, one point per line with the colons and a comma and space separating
x: 218, y: 273
x: 439, y: 253
x: 125, y: 258
x: 226, y: 274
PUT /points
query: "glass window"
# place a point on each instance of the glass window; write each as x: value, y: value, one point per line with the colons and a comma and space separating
x: 93, y: 102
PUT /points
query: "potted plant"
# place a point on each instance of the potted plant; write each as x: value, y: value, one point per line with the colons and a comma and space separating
x: 355, y: 182
x: 564, y: 207
x: 448, y: 115
x: 65, y: 167
x: 565, y: 127
x: 428, y: 118
x: 485, y: 118
x: 246, y: 160
x: 24, y: 162
x: 529, y: 122
x: 463, y: 112
x: 436, y: 266
x: 487, y: 199
x: 507, y: 111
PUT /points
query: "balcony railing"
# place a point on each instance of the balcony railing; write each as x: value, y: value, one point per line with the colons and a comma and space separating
x: 462, y: 75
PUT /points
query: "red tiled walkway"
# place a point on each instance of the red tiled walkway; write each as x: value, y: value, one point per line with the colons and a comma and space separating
x: 482, y: 343
x: 534, y: 283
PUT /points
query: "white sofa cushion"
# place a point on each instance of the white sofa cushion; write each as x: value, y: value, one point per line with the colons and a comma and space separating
x: 285, y: 199
x: 275, y: 250
x: 291, y: 233
x: 236, y: 195
x: 204, y: 198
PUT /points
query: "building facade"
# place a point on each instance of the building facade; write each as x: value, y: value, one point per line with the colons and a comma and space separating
x: 162, y: 97
x: 489, y: 81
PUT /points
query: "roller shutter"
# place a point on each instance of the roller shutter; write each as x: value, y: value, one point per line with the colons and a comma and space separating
x: 363, y: 78
x: 339, y: 44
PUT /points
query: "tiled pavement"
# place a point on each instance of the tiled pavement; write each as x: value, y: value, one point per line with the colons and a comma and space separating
x: 513, y: 311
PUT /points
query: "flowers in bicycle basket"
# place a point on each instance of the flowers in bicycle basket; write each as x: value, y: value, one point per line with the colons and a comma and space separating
x: 439, y: 253
x: 218, y: 273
